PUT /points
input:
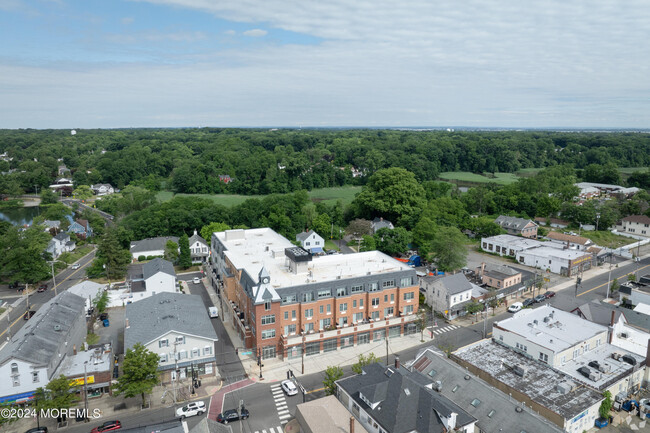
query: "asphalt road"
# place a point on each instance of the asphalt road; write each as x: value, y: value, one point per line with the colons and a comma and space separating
x: 64, y: 280
x: 228, y: 363
x: 596, y: 287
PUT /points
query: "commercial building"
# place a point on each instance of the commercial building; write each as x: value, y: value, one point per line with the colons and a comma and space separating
x: 395, y: 400
x: 565, y: 262
x: 499, y: 277
x: 95, y: 365
x: 637, y: 225
x: 324, y: 415
x: 494, y: 410
x: 33, y: 354
x: 286, y: 302
x: 546, y: 391
x: 176, y: 327
x: 508, y: 245
x: 570, y: 241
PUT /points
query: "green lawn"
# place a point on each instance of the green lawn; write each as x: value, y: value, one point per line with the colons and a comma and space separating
x: 607, y: 239
x: 329, y: 195
x: 466, y: 176
x: 630, y: 170
x: 73, y: 256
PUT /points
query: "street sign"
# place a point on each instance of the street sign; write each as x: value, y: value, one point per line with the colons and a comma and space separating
x: 246, y: 353
x: 547, y: 279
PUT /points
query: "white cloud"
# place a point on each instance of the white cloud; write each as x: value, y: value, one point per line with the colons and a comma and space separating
x: 230, y: 32
x: 155, y: 36
x: 127, y: 21
x: 255, y: 33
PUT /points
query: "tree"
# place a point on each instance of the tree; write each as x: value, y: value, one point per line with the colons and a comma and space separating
x: 83, y: 192
x: 111, y: 253
x: 58, y: 394
x: 171, y: 251
x: 421, y: 322
x: 393, y: 193
x: 140, y: 373
x: 448, y: 249
x: 474, y: 307
x: 322, y: 224
x: 185, y: 258
x: 606, y: 405
x: 207, y: 230
x: 48, y: 196
x: 22, y: 254
x: 359, y: 227
x: 368, y: 243
x: 101, y: 302
x: 392, y: 242
x: 332, y: 374
x: 363, y: 361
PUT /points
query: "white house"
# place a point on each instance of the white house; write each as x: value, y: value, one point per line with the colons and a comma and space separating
x: 381, y: 223
x: 151, y: 246
x: 102, y: 189
x: 199, y: 248
x: 176, y: 327
x: 60, y: 244
x: 636, y: 225
x: 32, y: 355
x: 447, y: 295
x: 311, y: 241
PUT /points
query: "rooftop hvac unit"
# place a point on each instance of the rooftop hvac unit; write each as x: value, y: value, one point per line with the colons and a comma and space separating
x: 565, y: 387
x: 616, y: 355
x: 629, y: 359
x: 595, y: 376
x: 520, y: 370
x: 605, y: 367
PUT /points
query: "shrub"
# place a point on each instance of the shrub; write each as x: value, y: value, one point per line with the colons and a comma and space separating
x: 142, y: 258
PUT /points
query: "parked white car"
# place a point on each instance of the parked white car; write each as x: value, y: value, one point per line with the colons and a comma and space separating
x: 517, y: 306
x: 288, y: 387
x: 191, y: 409
x: 196, y: 280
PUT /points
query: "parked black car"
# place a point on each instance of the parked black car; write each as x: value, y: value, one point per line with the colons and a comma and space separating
x: 528, y: 302
x: 37, y: 430
x: 103, y: 316
x: 232, y: 415
x: 540, y: 298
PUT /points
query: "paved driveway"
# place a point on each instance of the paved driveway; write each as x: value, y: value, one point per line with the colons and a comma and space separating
x: 114, y: 333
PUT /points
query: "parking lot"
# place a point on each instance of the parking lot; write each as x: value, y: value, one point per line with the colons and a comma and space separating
x: 114, y: 333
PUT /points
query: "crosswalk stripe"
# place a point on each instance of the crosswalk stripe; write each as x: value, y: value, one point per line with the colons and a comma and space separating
x: 284, y: 406
x: 437, y: 332
x: 282, y: 412
x: 284, y: 416
x: 275, y: 386
x: 272, y: 430
x: 276, y: 391
x: 277, y: 399
x: 263, y: 431
x: 284, y: 421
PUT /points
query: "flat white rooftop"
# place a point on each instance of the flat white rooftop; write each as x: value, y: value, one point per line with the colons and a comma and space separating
x: 545, y: 251
x: 549, y: 327
x: 515, y: 242
x: 250, y: 250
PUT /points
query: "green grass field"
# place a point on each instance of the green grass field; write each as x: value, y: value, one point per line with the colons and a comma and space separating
x: 465, y: 176
x: 328, y: 195
x: 607, y: 239
x: 630, y: 170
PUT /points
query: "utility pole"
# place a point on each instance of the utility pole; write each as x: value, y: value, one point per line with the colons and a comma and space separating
x: 386, y: 336
x: 485, y: 321
x: 85, y: 393
x: 53, y: 279
x: 303, y: 355
x: 175, y: 377
x: 259, y: 360
x: 609, y: 276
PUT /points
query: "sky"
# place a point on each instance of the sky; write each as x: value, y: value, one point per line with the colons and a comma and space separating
x: 308, y: 63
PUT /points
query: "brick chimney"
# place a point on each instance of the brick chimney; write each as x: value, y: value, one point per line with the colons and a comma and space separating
x: 397, y: 363
x: 351, y: 424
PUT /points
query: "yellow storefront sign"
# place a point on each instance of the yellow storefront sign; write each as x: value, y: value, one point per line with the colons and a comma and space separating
x: 80, y: 381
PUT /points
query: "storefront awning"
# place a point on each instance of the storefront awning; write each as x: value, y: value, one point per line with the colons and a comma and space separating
x: 316, y: 250
x: 18, y: 398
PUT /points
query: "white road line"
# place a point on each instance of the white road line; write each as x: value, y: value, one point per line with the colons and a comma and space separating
x: 282, y: 412
x: 279, y: 429
x: 277, y: 399
x: 437, y: 332
x: 284, y: 421
x: 284, y: 416
x: 281, y: 406
x: 272, y: 430
x: 263, y: 431
x: 275, y: 387
x: 278, y: 394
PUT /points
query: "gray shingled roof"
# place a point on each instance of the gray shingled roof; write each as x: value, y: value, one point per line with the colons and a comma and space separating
x: 456, y: 283
x: 196, y: 238
x: 159, y: 314
x: 512, y: 222
x: 435, y: 367
x: 151, y: 268
x: 38, y: 340
x: 63, y: 237
x: 405, y: 404
x: 304, y: 235
x: 151, y: 244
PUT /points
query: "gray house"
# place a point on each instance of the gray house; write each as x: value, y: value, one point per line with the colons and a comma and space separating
x: 517, y: 226
x: 176, y: 327
x: 151, y: 246
x: 29, y: 360
x: 449, y: 294
x: 381, y: 223
x: 395, y: 400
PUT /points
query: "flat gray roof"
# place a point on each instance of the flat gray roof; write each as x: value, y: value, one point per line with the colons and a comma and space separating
x: 97, y: 361
x: 539, y: 383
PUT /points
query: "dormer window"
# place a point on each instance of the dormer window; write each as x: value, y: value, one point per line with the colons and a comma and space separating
x: 14, y: 368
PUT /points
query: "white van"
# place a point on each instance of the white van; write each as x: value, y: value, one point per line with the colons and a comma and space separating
x: 517, y: 306
x: 213, y: 312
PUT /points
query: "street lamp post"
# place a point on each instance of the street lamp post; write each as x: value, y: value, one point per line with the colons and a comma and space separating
x: 597, y: 219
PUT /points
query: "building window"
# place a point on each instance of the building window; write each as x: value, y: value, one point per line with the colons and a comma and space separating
x: 409, y: 296
x: 360, y: 303
x: 180, y: 340
x: 392, y: 297
x: 373, y: 287
x: 286, y: 315
x: 354, y: 303
x: 288, y: 299
x: 309, y: 313
x: 374, y: 315
x: 405, y: 282
x: 268, y: 320
x: 388, y: 311
x: 356, y: 289
x: 324, y: 294
x: 16, y: 380
x: 357, y: 317
x: 14, y: 368
x: 163, y: 343
x: 267, y: 305
x: 207, y: 350
x: 320, y: 309
x: 307, y: 297
x: 389, y: 283
x: 195, y: 352
x: 408, y: 309
x: 476, y: 402
x: 340, y: 292
x: 385, y: 298
x: 268, y: 333
x: 543, y: 357
x: 343, y: 308
x: 375, y: 302
x: 289, y: 329
x: 325, y: 323
x: 35, y: 376
x: 328, y: 309
x: 309, y: 327
x: 163, y: 357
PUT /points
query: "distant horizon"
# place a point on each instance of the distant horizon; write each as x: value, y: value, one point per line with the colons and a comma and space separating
x: 396, y: 128
x: 169, y: 63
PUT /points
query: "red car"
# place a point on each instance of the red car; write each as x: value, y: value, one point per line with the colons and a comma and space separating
x: 42, y: 288
x: 107, y: 426
x: 549, y: 294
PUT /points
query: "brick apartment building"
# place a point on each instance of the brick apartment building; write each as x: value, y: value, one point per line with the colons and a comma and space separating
x: 286, y: 301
